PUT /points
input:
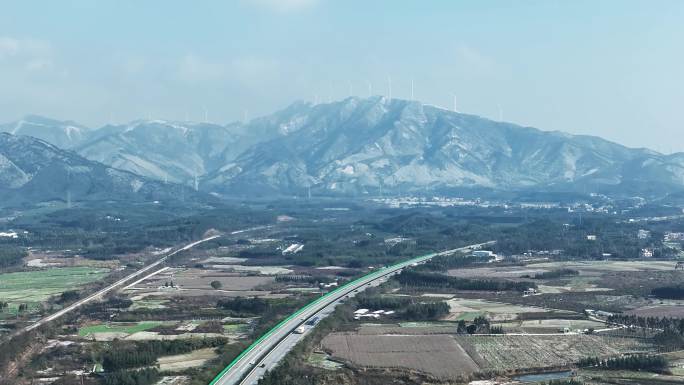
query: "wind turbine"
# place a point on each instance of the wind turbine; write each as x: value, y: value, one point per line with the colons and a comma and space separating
x: 370, y: 89
x: 206, y: 114
x: 412, y: 98
x: 68, y: 185
x: 454, y: 95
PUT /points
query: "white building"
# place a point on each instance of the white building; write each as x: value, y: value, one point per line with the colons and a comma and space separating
x: 483, y: 253
x: 643, y: 234
x: 293, y: 249
x: 674, y: 237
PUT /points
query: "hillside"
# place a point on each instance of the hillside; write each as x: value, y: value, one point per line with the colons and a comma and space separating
x: 34, y: 171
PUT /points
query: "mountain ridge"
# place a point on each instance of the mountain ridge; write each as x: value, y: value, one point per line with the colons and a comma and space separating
x: 32, y: 171
x: 375, y: 145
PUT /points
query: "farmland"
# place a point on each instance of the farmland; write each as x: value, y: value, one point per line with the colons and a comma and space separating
x: 181, y: 362
x: 36, y: 286
x: 438, y: 355
x: 440, y: 352
x: 469, y: 309
x: 121, y: 328
x: 231, y: 289
x: 510, y: 353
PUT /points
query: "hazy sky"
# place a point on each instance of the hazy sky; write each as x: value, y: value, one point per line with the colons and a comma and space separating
x: 608, y: 68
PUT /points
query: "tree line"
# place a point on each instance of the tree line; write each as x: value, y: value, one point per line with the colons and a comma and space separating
x: 557, y: 273
x: 669, y: 292
x: 649, y: 363
x: 145, y: 376
x: 127, y: 354
x: 446, y: 262
x: 432, y: 280
x: 243, y: 305
x: 480, y: 325
x: 11, y: 256
x: 648, y: 322
x: 426, y: 311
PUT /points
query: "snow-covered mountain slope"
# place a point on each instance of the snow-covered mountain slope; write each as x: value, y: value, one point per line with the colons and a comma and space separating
x: 364, y: 145
x: 63, y: 134
x: 32, y: 170
x: 369, y: 145
x: 170, y: 151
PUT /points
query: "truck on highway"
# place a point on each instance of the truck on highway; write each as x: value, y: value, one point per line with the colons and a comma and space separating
x: 312, y: 321
x: 300, y: 330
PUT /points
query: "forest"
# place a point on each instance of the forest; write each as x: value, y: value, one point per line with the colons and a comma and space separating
x: 650, y: 363
x: 419, y: 279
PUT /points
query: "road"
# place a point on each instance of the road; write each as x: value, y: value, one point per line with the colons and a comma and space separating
x: 265, y: 353
x: 102, y: 292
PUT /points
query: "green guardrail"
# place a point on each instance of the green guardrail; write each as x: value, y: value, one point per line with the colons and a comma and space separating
x: 342, y: 288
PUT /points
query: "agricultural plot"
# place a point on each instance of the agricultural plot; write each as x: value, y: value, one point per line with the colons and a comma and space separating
x: 265, y: 270
x: 438, y: 355
x: 496, y: 272
x: 409, y: 328
x: 511, y: 352
x: 197, y: 282
x: 223, y: 260
x: 34, y: 287
x: 469, y: 309
x: 155, y: 336
x: 120, y: 328
x: 600, y: 267
x: 323, y: 361
x: 666, y: 310
x: 555, y: 325
x: 181, y: 362
x: 148, y: 330
x: 586, y: 268
x: 140, y: 302
x: 611, y: 377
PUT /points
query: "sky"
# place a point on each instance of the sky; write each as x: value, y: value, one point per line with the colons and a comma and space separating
x: 608, y: 68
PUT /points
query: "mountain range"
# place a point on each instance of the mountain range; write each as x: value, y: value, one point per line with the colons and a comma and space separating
x: 360, y: 146
x: 33, y: 171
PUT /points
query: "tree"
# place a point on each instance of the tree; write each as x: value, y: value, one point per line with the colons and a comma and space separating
x: 216, y: 285
x: 461, y: 328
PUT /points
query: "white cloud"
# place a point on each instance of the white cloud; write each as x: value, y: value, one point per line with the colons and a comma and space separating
x: 12, y: 47
x: 193, y: 68
x: 283, y: 5
x: 254, y: 69
x: 8, y: 46
x: 246, y: 70
x: 30, y: 55
x: 38, y: 64
x: 474, y: 58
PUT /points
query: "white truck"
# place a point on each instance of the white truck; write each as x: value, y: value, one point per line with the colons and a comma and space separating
x: 299, y: 330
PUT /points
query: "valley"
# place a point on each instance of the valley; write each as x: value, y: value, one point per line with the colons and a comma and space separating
x: 504, y: 310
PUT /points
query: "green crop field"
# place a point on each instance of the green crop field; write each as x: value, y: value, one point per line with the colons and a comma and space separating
x: 122, y: 327
x: 34, y: 287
